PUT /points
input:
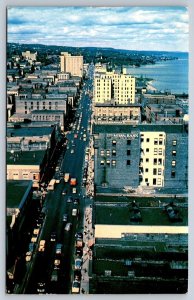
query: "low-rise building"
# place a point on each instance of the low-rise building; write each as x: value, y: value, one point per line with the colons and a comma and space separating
x: 25, y: 104
x: 164, y: 112
x: 49, y: 115
x: 26, y: 165
x: 141, y: 245
x: 119, y: 112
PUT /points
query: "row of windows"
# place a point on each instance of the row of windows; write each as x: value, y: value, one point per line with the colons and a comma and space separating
x: 155, y: 171
x: 43, y: 103
x: 155, y: 181
x: 159, y: 141
x: 113, y: 162
x: 114, y: 153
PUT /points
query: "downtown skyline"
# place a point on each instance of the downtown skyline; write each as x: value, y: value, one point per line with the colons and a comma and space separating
x: 130, y: 28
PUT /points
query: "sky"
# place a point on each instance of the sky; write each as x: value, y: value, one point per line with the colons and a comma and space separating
x: 132, y: 28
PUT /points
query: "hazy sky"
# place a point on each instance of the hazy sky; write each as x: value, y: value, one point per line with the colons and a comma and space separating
x: 133, y: 28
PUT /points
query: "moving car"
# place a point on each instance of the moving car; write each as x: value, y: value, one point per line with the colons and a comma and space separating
x: 68, y: 226
x: 41, y: 247
x: 58, y: 248
x: 74, y: 191
x: 53, y: 237
x: 64, y: 192
x: 69, y: 199
x: 65, y: 217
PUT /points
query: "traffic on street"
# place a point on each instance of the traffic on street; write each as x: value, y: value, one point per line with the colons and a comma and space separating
x: 54, y: 259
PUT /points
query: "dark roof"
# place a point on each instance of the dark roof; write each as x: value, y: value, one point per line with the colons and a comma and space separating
x: 120, y: 215
x: 121, y: 128
x: 25, y: 157
x: 15, y: 192
x: 29, y: 131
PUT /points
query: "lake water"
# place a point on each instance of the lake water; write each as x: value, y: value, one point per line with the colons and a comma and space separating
x: 169, y: 75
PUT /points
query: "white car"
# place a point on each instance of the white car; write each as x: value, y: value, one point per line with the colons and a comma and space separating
x: 28, y: 256
x: 74, y: 190
x: 68, y: 226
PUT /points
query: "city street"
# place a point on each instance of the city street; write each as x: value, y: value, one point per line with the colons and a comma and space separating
x: 56, y: 206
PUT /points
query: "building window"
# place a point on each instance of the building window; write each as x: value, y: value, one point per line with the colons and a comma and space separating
x: 159, y: 181
x: 146, y: 179
x: 173, y: 163
x: 25, y: 112
x: 173, y: 174
x: 128, y: 152
x: 174, y: 143
x: 173, y: 152
x: 35, y: 176
x: 154, y: 181
x: 108, y: 152
x: 160, y: 151
x: 159, y: 171
x: 114, y: 153
x: 155, y: 141
x: 147, y: 140
x: 128, y: 162
x: 102, y: 162
x: 154, y: 171
x: 142, y: 140
x: 146, y: 170
x: 128, y: 142
x: 155, y: 161
x: 155, y: 151
x: 102, y: 152
x: 114, y: 143
x: 160, y: 141
x: 113, y: 163
x: 147, y: 149
x: 159, y: 161
x: 147, y: 159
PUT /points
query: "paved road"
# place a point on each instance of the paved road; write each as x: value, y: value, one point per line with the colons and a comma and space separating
x: 56, y: 205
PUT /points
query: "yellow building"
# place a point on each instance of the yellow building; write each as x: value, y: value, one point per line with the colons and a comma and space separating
x: 120, y: 87
x: 71, y: 64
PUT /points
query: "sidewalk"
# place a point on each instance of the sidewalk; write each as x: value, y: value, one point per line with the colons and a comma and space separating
x: 88, y: 238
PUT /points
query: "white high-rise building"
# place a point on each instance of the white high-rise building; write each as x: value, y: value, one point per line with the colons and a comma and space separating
x: 71, y: 64
x: 109, y: 86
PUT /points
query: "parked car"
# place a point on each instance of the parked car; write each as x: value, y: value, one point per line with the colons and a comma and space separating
x: 79, y: 235
x: 79, y: 251
x: 75, y: 287
x: 78, y: 263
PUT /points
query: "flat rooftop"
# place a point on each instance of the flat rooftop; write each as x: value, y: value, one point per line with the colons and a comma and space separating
x: 117, y: 214
x: 120, y: 128
x: 29, y: 131
x: 25, y: 157
x: 48, y: 112
x: 15, y: 191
